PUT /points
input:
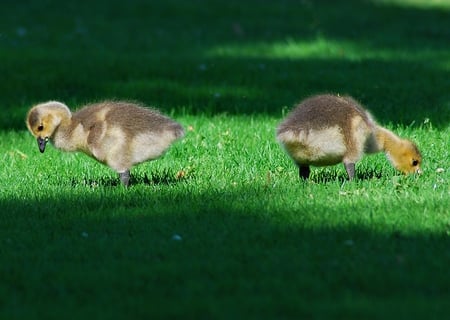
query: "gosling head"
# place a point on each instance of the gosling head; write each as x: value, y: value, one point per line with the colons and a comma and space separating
x: 406, y: 157
x: 43, y: 119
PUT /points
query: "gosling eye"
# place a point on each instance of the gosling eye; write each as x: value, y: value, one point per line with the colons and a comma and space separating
x: 415, y: 163
x: 40, y: 128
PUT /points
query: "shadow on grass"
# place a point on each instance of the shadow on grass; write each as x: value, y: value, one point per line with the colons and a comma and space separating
x: 330, y: 174
x: 155, y: 178
x: 160, y: 53
x: 204, y: 254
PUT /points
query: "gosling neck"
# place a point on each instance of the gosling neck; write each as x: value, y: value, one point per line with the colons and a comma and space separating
x: 63, y: 118
x: 387, y: 140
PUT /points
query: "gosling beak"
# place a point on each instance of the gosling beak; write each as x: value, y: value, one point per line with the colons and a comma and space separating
x: 41, y: 143
x: 419, y: 171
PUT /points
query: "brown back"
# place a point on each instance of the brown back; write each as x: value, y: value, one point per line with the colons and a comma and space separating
x: 322, y: 111
x: 131, y: 117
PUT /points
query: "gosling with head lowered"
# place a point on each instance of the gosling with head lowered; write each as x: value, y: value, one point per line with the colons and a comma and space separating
x: 327, y: 129
x: 116, y: 133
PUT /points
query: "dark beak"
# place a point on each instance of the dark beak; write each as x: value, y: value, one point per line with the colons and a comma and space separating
x: 41, y: 143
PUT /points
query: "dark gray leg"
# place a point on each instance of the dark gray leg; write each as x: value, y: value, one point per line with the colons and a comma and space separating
x: 350, y: 167
x: 125, y: 178
x: 303, y: 171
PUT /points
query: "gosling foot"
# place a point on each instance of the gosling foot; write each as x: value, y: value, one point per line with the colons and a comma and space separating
x: 125, y: 177
x: 350, y: 168
x: 303, y: 172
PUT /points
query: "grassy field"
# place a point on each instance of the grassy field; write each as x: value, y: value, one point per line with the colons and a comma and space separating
x: 221, y: 227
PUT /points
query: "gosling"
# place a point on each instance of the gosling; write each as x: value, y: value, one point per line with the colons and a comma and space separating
x: 118, y: 134
x: 325, y: 130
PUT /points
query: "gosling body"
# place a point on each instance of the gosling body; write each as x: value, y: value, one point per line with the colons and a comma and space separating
x: 327, y: 129
x: 118, y: 134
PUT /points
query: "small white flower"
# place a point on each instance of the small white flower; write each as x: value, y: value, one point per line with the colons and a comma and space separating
x: 21, y: 31
x: 177, y: 237
x: 349, y: 242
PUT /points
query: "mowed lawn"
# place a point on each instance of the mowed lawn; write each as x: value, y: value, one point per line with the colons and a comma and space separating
x: 221, y: 227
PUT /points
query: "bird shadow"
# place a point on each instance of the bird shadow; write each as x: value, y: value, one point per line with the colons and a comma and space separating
x: 155, y: 178
x: 332, y: 176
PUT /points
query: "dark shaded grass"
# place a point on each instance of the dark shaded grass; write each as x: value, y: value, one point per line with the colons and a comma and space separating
x: 95, y: 260
x: 158, y: 53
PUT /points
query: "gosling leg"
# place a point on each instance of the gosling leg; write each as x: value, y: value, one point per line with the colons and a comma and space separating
x: 125, y: 177
x: 303, y: 171
x: 350, y: 168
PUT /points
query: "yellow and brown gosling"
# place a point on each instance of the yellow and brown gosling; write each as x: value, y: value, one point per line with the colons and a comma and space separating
x: 116, y: 133
x: 327, y: 129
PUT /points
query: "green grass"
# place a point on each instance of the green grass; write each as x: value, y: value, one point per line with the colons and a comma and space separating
x: 221, y: 227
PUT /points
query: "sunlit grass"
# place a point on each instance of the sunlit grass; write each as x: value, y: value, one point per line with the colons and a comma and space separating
x: 323, y: 48
x: 432, y: 4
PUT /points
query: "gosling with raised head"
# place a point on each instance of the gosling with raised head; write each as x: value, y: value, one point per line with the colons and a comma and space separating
x: 327, y: 129
x: 118, y: 134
